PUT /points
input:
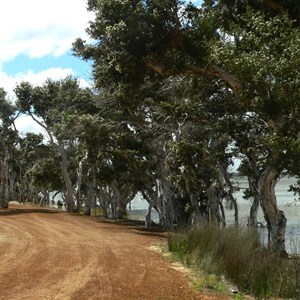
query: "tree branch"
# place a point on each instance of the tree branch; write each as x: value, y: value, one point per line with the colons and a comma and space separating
x: 232, y: 81
x: 44, y: 127
x: 275, y: 6
x: 158, y: 69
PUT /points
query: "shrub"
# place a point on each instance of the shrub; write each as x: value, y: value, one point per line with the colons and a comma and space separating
x: 238, y: 254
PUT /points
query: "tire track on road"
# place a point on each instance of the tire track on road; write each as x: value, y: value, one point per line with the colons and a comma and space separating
x: 60, y: 256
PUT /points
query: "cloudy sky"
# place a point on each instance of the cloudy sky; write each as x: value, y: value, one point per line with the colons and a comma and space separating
x: 36, y: 39
x: 35, y: 43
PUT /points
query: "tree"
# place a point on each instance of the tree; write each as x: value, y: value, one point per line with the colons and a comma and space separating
x: 46, y: 105
x: 8, y: 140
x: 270, y: 81
x: 28, y: 151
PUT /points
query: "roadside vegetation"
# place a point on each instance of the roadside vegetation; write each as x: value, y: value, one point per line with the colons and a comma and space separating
x: 237, y: 254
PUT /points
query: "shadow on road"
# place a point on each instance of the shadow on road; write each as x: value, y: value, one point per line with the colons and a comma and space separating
x: 17, y: 211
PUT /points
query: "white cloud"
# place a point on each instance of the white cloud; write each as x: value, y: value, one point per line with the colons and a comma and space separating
x: 9, y: 82
x: 25, y: 124
x: 37, y: 28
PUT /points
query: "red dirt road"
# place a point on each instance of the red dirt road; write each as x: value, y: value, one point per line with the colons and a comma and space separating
x: 53, y: 255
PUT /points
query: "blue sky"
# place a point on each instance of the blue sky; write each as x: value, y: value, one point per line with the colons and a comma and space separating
x: 22, y: 64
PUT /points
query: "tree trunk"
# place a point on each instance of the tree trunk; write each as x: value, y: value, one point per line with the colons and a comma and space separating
x: 69, y: 193
x: 45, y: 201
x: 4, y: 193
x: 274, y: 217
x: 197, y: 216
x: 148, y: 220
x: 166, y: 191
x: 79, y: 181
x: 253, y: 187
x: 104, y: 201
x: 90, y: 199
x: 118, y: 210
x: 213, y: 205
x: 151, y: 195
x: 231, y: 197
x: 12, y: 186
x: 167, y: 206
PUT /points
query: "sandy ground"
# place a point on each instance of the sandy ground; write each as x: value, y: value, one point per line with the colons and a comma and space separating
x: 47, y: 254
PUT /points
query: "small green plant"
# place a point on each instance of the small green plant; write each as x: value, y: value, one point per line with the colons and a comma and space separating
x: 213, y: 282
x: 238, y: 296
x: 59, y: 203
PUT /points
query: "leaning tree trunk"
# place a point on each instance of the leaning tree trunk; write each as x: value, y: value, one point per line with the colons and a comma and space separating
x: 274, y: 217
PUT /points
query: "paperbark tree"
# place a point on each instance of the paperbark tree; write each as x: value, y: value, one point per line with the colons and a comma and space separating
x: 47, y: 105
x: 270, y: 81
x: 8, y: 141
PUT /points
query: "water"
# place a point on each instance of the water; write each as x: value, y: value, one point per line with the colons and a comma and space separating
x: 285, y: 199
x: 287, y: 202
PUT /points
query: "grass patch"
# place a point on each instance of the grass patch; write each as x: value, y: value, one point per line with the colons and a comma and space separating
x: 200, y: 281
x: 236, y: 254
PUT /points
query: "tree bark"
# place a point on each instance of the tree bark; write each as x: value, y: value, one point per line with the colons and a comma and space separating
x: 274, y: 217
x: 79, y: 182
x: 4, y: 193
x: 151, y: 195
x: 148, y: 220
x: 231, y: 197
x: 214, y: 205
x: 253, y: 187
x: 104, y: 200
x: 167, y: 195
x: 90, y: 198
x: 165, y: 189
x: 69, y: 193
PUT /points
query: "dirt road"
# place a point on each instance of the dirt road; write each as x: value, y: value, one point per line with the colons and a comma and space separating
x: 53, y: 255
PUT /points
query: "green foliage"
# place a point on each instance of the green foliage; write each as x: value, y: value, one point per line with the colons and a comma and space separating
x: 46, y: 173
